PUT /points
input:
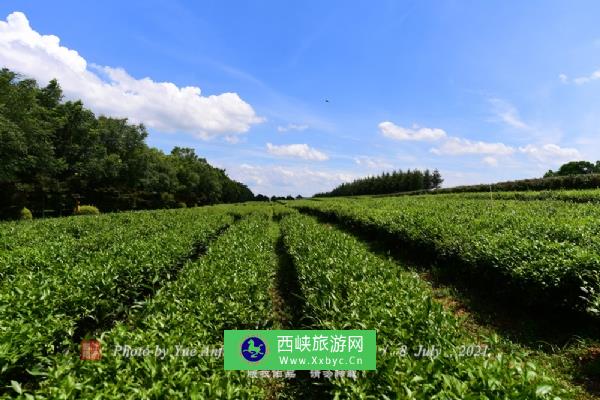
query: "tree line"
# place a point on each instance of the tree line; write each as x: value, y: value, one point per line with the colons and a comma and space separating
x: 575, y: 168
x: 55, y: 153
x: 394, y: 182
x: 572, y: 175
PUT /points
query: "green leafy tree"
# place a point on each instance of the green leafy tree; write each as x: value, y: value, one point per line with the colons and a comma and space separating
x: 575, y: 168
x: 53, y: 152
x: 436, y: 180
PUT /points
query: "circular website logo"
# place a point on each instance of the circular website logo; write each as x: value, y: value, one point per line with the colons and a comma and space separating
x: 253, y: 349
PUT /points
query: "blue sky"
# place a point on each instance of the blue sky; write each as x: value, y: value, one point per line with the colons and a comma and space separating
x: 483, y: 91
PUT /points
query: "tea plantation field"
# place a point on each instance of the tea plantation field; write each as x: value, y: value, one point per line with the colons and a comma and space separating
x: 179, y: 278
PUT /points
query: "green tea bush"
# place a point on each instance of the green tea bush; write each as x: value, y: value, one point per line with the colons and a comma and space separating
x: 94, y: 269
x: 543, y: 252
x: 25, y: 214
x: 188, y: 311
x: 345, y: 286
x: 87, y: 210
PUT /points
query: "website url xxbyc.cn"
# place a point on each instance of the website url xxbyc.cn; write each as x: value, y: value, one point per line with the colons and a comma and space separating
x: 317, y: 361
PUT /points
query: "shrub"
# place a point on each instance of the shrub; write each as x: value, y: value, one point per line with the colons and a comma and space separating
x: 25, y: 214
x: 167, y: 200
x: 181, y: 204
x: 87, y: 210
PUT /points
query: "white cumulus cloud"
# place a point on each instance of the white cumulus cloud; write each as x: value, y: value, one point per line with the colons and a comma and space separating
x: 284, y: 180
x: 291, y: 127
x: 549, y: 152
x: 586, y: 79
x: 113, y: 92
x: 457, y: 146
x: 297, y: 151
x: 416, y: 133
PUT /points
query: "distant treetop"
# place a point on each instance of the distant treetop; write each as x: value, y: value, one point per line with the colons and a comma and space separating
x: 394, y: 182
x: 575, y: 168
